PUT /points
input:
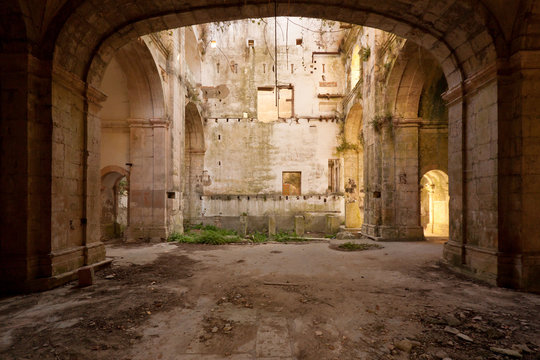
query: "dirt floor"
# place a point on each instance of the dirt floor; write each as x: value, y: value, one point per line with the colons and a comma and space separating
x: 273, y: 301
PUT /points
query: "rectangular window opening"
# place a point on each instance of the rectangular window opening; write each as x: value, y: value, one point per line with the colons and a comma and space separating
x: 333, y: 175
x: 292, y: 182
x: 267, y: 110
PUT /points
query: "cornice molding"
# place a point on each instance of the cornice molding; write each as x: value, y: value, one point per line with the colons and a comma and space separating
x: 147, y: 123
x: 72, y: 82
x: 471, y: 85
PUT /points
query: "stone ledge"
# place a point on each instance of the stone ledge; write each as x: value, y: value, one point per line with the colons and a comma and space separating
x: 48, y: 283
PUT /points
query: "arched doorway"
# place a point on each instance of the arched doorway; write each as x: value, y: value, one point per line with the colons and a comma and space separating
x: 434, y: 202
x: 114, y: 203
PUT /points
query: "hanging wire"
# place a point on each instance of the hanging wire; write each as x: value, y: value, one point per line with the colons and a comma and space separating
x: 275, y: 56
x: 287, y: 45
x: 316, y: 31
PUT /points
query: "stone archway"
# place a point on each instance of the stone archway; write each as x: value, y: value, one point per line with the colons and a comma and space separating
x: 457, y: 61
x: 484, y: 58
x: 114, y: 202
x: 396, y: 152
x: 132, y: 122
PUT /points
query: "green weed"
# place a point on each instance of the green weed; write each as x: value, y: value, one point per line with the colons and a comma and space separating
x: 350, y: 246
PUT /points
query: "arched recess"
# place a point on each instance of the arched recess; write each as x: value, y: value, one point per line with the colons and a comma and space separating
x: 135, y: 134
x: 145, y: 87
x: 353, y: 161
x: 196, y: 178
x: 114, y: 202
x: 434, y: 200
x: 411, y: 70
x: 408, y: 145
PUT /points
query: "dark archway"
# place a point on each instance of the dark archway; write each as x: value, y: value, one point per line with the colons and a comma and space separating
x: 114, y: 202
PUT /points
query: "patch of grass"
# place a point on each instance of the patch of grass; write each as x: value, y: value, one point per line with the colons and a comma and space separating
x: 258, y: 237
x: 212, y: 237
x: 175, y: 236
x: 204, y: 227
x: 284, y: 236
x: 351, y: 246
x: 330, y: 236
x: 206, y: 235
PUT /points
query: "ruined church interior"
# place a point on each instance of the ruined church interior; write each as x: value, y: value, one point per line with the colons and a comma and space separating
x: 227, y: 179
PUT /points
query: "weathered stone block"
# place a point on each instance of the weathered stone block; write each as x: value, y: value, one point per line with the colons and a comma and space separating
x: 86, y: 276
x: 271, y: 225
x: 332, y: 224
x: 299, y: 225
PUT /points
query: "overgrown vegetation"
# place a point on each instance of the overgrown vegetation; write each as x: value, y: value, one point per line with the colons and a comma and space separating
x: 258, y: 237
x: 365, y: 53
x: 209, y: 234
x: 381, y: 120
x: 344, y: 146
x: 199, y: 234
x: 123, y: 186
x: 351, y: 246
x: 284, y: 236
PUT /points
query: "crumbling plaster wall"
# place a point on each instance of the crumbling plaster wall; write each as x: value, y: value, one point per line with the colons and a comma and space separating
x: 245, y: 156
x: 233, y: 70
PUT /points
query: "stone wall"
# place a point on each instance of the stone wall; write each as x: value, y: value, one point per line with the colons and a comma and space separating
x: 248, y: 145
x: 308, y: 59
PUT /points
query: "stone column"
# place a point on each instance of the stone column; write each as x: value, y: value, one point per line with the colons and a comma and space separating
x: 407, y: 183
x: 353, y: 205
x: 25, y: 179
x: 94, y: 249
x: 519, y: 172
x: 387, y: 228
x: 472, y: 164
x: 372, y: 183
x: 453, y: 249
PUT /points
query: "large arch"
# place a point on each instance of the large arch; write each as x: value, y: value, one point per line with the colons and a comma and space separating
x: 404, y: 144
x: 145, y: 126
x: 465, y: 37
